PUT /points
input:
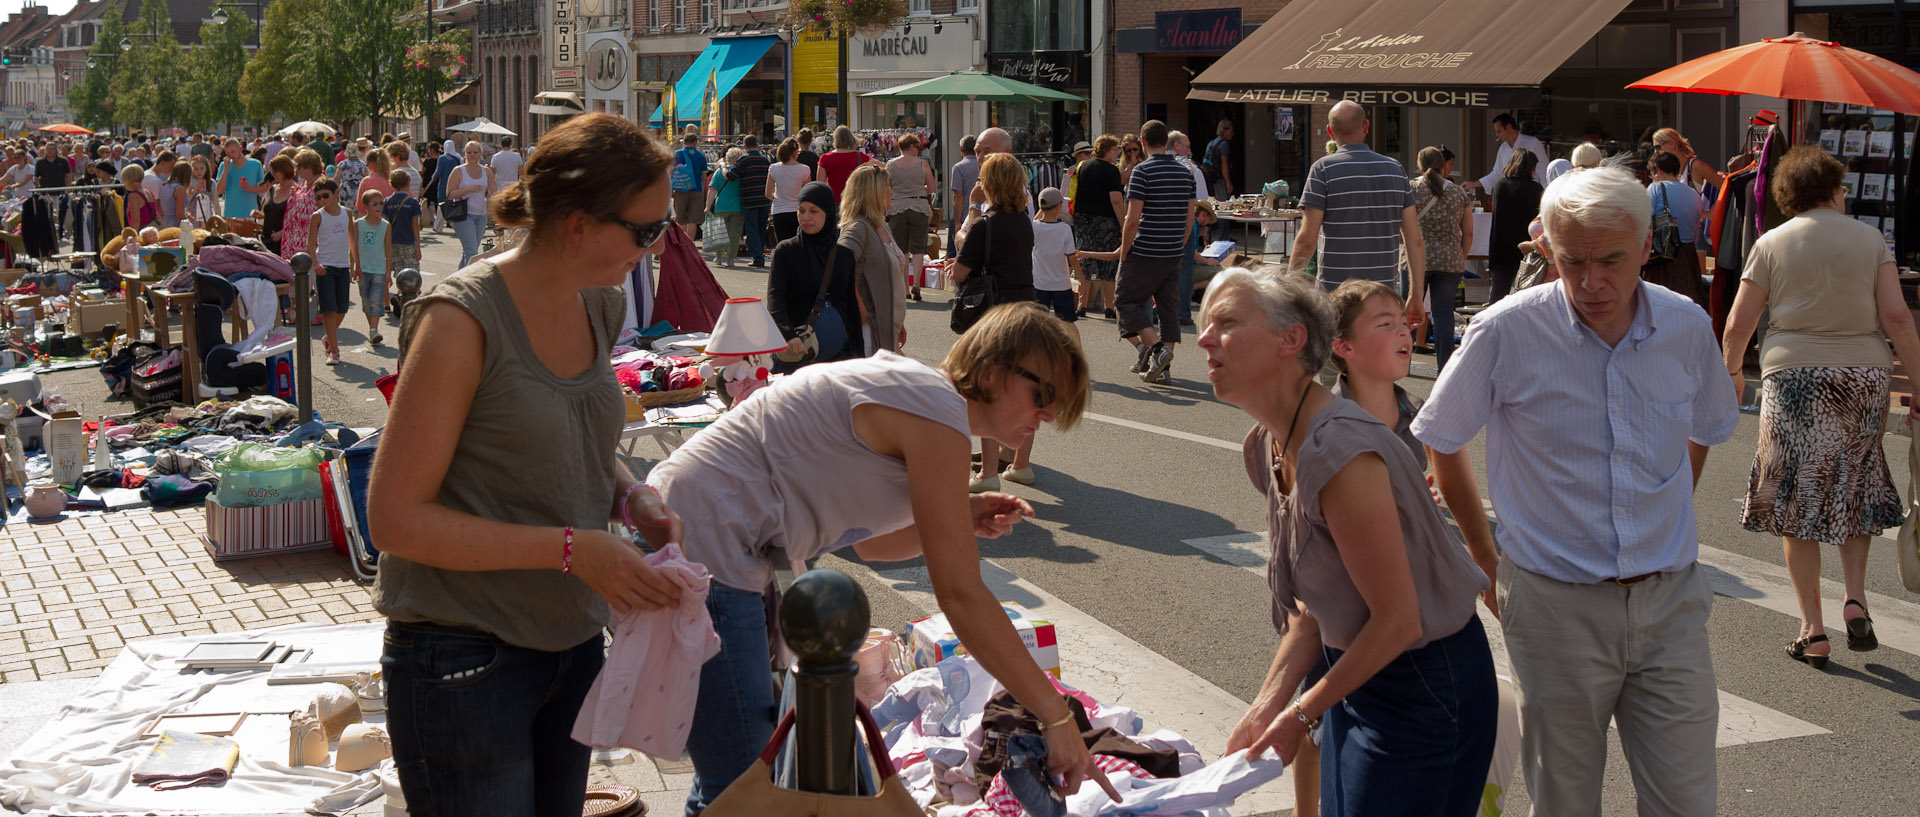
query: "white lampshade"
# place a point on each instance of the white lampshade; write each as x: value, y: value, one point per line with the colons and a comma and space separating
x: 745, y: 328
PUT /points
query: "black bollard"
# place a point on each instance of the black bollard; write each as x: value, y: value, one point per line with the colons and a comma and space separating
x: 824, y: 619
x: 302, y: 264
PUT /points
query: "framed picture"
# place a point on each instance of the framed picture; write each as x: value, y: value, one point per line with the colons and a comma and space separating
x: 1834, y: 107
x: 1873, y: 186
x: 1830, y: 140
x: 1886, y: 229
x: 1851, y: 181
x: 1870, y: 221
x: 1853, y: 143
x: 1856, y: 109
x: 1283, y: 123
x: 1880, y: 145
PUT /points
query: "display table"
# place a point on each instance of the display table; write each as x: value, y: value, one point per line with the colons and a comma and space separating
x: 136, y: 292
x: 1242, y: 230
x: 669, y: 426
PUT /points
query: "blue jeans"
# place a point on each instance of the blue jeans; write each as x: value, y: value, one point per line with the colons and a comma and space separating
x: 1424, y: 723
x: 1186, y: 285
x: 1442, y: 287
x: 496, y: 741
x: 468, y: 230
x: 734, y: 717
x: 756, y: 216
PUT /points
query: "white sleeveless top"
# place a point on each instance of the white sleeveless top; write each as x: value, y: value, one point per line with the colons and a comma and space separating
x: 785, y: 470
x: 335, y: 248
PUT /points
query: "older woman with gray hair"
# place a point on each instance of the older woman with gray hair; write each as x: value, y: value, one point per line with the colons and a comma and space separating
x: 1368, y: 587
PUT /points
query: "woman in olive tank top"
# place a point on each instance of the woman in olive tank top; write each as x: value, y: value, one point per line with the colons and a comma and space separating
x: 492, y: 496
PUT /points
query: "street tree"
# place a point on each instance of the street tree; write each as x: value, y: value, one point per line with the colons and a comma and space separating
x: 92, y: 97
x: 213, y: 70
x: 284, y: 76
x: 148, y: 85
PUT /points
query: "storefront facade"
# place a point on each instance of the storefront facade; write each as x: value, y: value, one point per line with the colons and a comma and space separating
x: 1876, y: 146
x: 1044, y: 42
x: 913, y: 51
x: 1159, y: 52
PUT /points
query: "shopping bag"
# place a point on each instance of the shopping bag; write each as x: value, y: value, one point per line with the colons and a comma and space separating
x: 713, y: 233
x: 1908, y: 542
x: 253, y: 474
x: 754, y: 794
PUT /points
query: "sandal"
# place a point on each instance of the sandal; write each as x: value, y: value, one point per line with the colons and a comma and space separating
x: 1797, y: 651
x: 1860, y: 637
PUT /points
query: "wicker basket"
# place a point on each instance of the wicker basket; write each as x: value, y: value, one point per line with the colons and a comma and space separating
x: 243, y: 227
x: 637, y: 404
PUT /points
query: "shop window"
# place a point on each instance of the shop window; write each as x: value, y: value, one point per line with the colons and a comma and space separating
x: 679, y: 15
x: 653, y: 16
x: 920, y: 8
x: 968, y: 6
x: 1037, y: 25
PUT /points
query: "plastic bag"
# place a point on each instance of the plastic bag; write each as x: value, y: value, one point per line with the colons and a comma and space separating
x: 713, y: 233
x: 253, y: 474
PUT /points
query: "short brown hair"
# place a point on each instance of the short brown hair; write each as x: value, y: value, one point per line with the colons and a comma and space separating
x: 1349, y: 300
x: 907, y: 141
x: 592, y: 163
x: 281, y: 164
x: 1106, y: 142
x: 1804, y: 179
x: 1154, y: 134
x: 309, y: 159
x: 1028, y: 336
x: 400, y: 180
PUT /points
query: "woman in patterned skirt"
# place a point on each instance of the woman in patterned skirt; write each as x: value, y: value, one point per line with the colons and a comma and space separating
x: 1097, y: 207
x: 1833, y: 301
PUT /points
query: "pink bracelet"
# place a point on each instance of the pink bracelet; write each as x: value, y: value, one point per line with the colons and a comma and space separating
x: 566, y: 554
x: 626, y: 510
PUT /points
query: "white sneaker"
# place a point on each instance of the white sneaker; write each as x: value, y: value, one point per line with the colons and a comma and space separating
x: 982, y: 484
x: 1024, y: 476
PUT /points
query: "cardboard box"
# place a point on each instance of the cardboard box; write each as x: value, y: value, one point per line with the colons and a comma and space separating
x: 267, y: 529
x: 10, y: 277
x: 932, y: 640
x: 90, y: 317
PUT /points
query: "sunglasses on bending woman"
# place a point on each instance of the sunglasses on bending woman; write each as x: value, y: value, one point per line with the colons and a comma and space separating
x: 1043, y: 391
x: 643, y: 234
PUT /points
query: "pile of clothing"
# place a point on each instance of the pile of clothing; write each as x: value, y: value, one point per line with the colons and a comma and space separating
x: 643, y: 371
x: 965, y: 748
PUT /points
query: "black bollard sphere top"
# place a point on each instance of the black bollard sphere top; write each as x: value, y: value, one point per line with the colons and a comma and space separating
x: 301, y: 262
x: 824, y: 617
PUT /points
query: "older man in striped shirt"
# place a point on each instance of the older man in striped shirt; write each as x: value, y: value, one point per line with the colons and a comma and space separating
x: 1600, y: 397
x: 1363, y: 202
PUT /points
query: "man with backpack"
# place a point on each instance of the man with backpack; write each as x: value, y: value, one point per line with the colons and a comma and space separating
x: 1215, y: 165
x: 689, y: 182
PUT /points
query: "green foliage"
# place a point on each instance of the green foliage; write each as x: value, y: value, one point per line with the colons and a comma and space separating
x: 92, y: 98
x: 339, y: 60
x: 148, y: 84
x: 213, y: 70
x: 277, y: 79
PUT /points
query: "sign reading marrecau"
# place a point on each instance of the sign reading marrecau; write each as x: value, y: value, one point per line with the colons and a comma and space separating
x: 1210, y: 31
x: 912, y: 50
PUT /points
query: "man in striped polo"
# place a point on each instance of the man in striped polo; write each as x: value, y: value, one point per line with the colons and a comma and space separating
x: 1153, y: 238
x: 1363, y: 202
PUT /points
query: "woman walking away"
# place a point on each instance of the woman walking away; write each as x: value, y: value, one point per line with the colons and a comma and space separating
x: 795, y: 282
x: 504, y: 585
x: 870, y: 454
x: 877, y: 260
x: 1000, y: 246
x: 471, y: 182
x: 1832, y: 298
x: 1672, y: 199
x: 1446, y: 229
x: 1516, y: 200
x: 723, y: 200
x: 1365, y: 577
x: 910, y: 215
x: 784, y: 181
x: 836, y: 166
x: 1097, y: 204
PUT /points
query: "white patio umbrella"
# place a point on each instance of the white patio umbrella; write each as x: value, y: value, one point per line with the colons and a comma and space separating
x: 310, y: 128
x: 484, y: 126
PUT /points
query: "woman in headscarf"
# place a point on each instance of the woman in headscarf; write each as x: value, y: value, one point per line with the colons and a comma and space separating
x: 794, y: 282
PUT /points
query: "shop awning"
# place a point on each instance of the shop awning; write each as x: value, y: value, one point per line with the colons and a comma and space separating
x: 1451, y: 53
x: 728, y: 60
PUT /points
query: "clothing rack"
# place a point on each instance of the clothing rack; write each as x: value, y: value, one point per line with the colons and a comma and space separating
x: 72, y: 187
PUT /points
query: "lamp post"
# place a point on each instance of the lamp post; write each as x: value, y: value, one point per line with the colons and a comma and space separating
x: 220, y: 18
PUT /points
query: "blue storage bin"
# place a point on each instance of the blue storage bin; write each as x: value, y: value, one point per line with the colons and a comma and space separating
x: 359, y: 461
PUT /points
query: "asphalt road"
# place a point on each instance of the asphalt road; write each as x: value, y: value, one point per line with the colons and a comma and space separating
x: 1121, y: 497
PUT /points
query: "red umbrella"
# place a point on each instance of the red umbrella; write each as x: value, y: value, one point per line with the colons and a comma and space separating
x: 64, y: 127
x: 1796, y: 67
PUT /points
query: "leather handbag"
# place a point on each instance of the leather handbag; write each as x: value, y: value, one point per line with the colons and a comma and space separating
x: 808, y: 336
x: 1908, y: 542
x: 454, y: 209
x: 754, y: 794
x: 974, y: 296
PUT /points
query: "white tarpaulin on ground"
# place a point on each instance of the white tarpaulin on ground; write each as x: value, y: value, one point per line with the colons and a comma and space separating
x: 82, y: 762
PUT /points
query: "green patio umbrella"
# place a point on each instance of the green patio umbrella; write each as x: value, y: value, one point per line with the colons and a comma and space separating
x: 965, y: 86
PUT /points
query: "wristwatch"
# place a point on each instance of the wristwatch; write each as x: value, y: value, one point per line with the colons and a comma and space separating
x: 1301, y: 715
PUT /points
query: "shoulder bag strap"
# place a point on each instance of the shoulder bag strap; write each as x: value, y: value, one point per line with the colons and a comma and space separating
x: 826, y: 280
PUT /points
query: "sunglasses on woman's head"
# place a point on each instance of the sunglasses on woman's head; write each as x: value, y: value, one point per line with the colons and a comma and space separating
x: 643, y: 234
x: 1043, y: 391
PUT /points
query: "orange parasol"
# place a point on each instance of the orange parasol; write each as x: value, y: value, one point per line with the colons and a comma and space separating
x: 1796, y: 67
x: 63, y: 127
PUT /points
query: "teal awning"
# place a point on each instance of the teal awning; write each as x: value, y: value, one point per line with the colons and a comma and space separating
x: 728, y: 60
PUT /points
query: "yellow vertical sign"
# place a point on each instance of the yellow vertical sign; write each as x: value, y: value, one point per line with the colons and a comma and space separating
x: 710, y: 104
x: 816, y: 61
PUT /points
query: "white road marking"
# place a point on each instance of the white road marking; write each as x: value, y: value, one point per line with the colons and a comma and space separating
x: 1741, y: 721
x: 1117, y: 669
x: 1163, y: 431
